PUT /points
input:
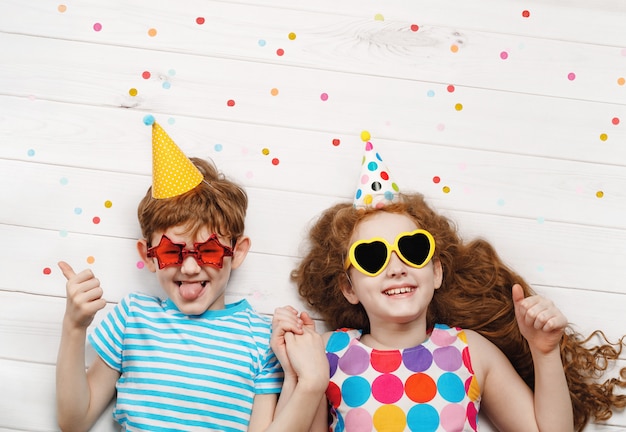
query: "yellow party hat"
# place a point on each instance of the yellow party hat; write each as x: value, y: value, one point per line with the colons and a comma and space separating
x: 173, y: 173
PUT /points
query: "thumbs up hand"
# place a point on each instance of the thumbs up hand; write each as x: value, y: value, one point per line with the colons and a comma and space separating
x: 84, y: 296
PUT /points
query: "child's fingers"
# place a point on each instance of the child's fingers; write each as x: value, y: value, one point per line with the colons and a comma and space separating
x: 66, y: 269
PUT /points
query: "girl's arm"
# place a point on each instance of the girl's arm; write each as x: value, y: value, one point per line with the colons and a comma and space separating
x: 81, y: 395
x: 506, y: 399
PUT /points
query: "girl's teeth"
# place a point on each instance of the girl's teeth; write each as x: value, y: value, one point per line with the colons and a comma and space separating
x: 396, y: 291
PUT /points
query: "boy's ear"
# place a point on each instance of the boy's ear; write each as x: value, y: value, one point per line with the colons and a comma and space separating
x: 347, y: 290
x: 241, y: 250
x: 142, y: 248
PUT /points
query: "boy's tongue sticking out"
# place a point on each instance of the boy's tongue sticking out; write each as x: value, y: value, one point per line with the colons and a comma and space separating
x: 191, y: 290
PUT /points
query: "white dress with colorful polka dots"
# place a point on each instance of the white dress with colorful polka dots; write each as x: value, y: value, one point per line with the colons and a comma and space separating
x: 427, y: 388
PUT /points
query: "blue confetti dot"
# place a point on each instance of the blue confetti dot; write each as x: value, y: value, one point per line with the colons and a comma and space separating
x: 78, y: 210
x: 148, y: 120
x: 262, y: 42
x: 63, y: 233
x: 171, y: 72
x: 171, y: 120
x: 430, y: 93
x: 541, y: 219
x: 166, y: 85
x: 64, y: 181
x: 218, y: 147
x: 501, y: 202
x: 31, y: 153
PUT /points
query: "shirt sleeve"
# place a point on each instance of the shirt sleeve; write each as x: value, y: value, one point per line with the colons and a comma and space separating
x: 270, y: 378
x: 108, y: 337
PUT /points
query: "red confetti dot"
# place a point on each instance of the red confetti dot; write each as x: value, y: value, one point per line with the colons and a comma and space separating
x: 280, y: 52
x: 525, y: 14
x: 230, y: 102
x: 275, y: 161
x: 436, y: 179
x: 414, y: 27
x: 384, y: 175
x: 146, y: 75
x: 200, y: 20
x: 96, y: 220
x: 47, y: 270
x: 615, y: 121
x: 450, y: 88
x: 336, y: 142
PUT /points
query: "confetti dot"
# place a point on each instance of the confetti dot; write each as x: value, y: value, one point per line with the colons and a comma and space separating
x: 265, y: 151
x: 365, y: 136
x: 262, y: 42
x: 62, y: 8
x: 454, y: 48
x: 148, y: 120
x: 336, y: 142
x: 615, y: 121
x: 274, y: 92
x: 200, y: 20
x: 604, y: 137
x: 146, y: 75
x: 171, y: 72
x: 280, y: 52
x: 275, y: 161
x: 96, y: 220
x: 504, y: 55
x: 446, y: 189
x: 541, y: 219
x: 571, y: 76
x: 90, y: 260
x: 140, y: 265
x: 441, y: 127
x: 218, y: 147
x: 379, y: 17
x: 31, y: 152
x: 450, y: 88
x: 525, y: 14
x: 47, y: 270
x: 621, y: 81
x: 500, y: 202
x: 108, y: 204
x: 458, y: 107
x: 132, y: 92
x: 414, y: 27
x: 78, y: 210
x: 230, y: 103
x: 430, y: 93
x: 324, y: 97
x: 63, y: 233
x: 436, y: 179
x: 64, y: 181
x: 152, y: 32
x: 166, y: 85
x: 291, y: 36
x: 599, y: 194
x: 97, y: 27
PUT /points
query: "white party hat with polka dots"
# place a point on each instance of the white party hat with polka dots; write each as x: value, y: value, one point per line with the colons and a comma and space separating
x: 375, y: 188
x: 173, y: 173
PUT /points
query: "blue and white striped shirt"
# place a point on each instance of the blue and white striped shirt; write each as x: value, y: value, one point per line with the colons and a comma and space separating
x: 181, y: 372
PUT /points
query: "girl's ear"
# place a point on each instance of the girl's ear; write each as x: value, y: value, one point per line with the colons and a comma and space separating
x: 437, y: 273
x: 348, y: 290
x: 142, y: 248
x: 241, y: 250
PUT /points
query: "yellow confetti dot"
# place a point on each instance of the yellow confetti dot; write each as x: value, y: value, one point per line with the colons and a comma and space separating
x: 458, y: 107
x: 152, y: 32
x: 599, y: 194
x: 274, y: 92
x: 62, y: 8
x: 446, y: 189
x: 132, y: 92
x: 604, y: 137
x: 265, y: 151
x: 454, y: 48
x: 108, y: 204
x: 292, y: 36
x: 621, y: 81
x: 379, y: 17
x: 90, y: 260
x: 365, y: 136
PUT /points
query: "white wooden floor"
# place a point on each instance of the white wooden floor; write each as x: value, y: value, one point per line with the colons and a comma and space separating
x: 510, y: 116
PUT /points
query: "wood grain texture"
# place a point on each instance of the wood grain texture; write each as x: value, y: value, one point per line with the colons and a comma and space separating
x: 512, y: 125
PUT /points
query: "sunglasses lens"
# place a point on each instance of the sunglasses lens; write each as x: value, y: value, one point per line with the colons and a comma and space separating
x: 168, y: 253
x: 211, y: 252
x: 371, y: 257
x: 415, y: 248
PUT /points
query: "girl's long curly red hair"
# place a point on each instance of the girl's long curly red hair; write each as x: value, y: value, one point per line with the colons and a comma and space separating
x: 475, y: 294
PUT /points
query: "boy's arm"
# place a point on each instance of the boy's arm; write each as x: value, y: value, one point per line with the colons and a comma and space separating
x: 81, y: 396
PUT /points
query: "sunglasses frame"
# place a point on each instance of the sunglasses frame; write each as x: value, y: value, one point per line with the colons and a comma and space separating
x: 352, y: 260
x: 184, y: 253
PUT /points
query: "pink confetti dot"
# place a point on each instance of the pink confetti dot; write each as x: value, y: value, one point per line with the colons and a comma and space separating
x: 504, y: 55
x: 280, y: 52
x: 97, y: 27
x: 146, y: 75
x: 324, y: 97
x: 571, y: 76
x: 47, y: 270
x: 414, y: 27
x: 140, y: 265
x: 200, y: 20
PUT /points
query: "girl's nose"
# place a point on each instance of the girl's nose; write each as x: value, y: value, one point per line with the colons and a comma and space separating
x: 395, y: 267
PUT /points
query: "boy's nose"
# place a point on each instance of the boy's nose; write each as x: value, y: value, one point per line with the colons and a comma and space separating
x: 190, y: 265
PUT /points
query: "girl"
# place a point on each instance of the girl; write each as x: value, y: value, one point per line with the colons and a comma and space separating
x: 397, y: 271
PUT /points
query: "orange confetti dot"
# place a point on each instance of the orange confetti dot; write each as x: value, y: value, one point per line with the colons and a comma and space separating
x: 90, y: 260
x: 599, y: 194
x: 621, y: 81
x: 274, y: 92
x: 454, y: 48
x: 132, y: 92
x: 61, y: 8
x: 152, y: 32
x: 265, y: 151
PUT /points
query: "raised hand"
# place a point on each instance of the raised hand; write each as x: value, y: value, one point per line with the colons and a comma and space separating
x: 84, y: 296
x: 539, y: 320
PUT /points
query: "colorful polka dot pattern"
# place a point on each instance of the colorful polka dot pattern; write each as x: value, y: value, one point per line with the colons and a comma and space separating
x: 172, y: 172
x: 375, y: 187
x: 427, y: 388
